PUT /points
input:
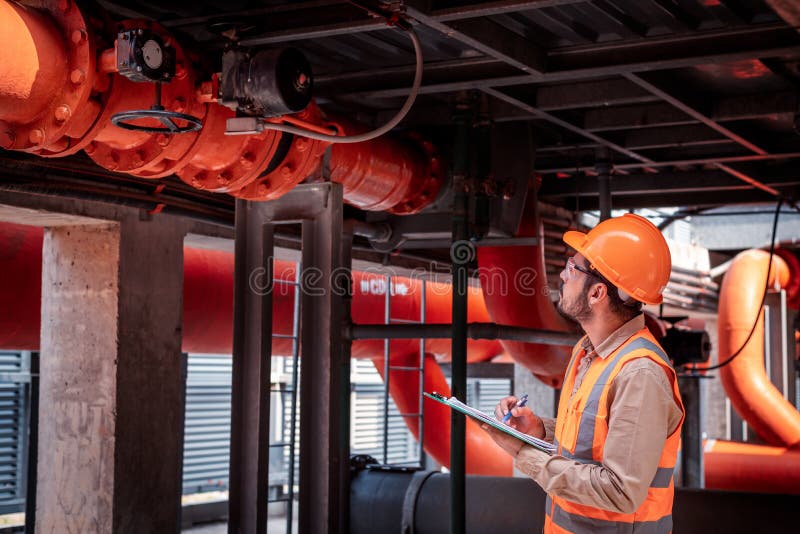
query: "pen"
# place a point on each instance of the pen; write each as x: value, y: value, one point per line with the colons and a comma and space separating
x: 520, y: 403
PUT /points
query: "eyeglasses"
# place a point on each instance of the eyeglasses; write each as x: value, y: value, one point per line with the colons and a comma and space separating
x: 572, y: 267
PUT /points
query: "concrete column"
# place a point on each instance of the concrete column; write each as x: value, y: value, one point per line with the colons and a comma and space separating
x: 111, y: 408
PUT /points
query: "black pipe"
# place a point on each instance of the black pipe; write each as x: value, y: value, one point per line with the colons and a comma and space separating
x: 387, y: 501
x: 474, y: 331
x: 604, y: 188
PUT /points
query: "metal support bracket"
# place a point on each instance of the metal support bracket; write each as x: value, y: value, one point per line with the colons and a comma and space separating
x: 325, y: 360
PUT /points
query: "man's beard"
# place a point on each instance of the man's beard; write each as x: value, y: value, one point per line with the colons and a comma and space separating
x: 577, y: 311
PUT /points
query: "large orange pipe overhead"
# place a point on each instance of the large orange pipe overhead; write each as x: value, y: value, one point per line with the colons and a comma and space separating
x: 59, y: 88
x: 208, y: 302
x: 745, y: 379
x: 32, y: 61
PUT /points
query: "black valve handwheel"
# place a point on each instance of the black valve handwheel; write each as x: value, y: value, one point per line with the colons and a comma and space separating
x: 167, y: 118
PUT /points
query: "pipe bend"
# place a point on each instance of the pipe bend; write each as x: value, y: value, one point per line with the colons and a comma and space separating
x: 745, y: 379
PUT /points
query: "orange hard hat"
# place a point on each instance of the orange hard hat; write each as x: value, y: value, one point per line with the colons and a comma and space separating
x: 630, y: 252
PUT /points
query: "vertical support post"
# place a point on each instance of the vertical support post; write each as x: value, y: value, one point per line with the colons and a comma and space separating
x: 461, y: 253
x: 324, y: 361
x: 33, y: 444
x: 421, y: 409
x: 295, y: 367
x: 343, y: 293
x: 324, y: 375
x: 691, y: 433
x: 387, y: 367
x: 603, y: 167
x: 252, y: 348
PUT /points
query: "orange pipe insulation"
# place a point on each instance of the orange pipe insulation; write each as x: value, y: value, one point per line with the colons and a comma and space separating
x: 745, y: 379
x: 59, y: 90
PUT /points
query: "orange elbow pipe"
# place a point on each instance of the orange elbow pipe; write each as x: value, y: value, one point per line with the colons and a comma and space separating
x: 514, y: 281
x: 745, y: 379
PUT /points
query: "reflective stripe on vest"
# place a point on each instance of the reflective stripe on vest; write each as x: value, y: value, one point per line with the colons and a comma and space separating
x: 582, y: 524
x: 583, y: 445
x: 662, y: 478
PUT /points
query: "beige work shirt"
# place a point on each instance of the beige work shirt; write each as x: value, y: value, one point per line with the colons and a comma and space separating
x: 642, y: 413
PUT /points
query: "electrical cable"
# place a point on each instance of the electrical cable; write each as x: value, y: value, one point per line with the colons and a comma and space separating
x: 763, y: 297
x: 374, y: 133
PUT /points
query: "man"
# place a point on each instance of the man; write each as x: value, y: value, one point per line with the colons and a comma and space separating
x: 620, y: 412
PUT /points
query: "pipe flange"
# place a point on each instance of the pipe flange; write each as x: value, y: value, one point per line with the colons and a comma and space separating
x: 428, y: 189
x: 300, y: 161
x: 223, y: 173
x: 70, y: 113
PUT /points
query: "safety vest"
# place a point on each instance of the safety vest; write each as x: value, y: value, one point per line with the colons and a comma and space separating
x: 581, y: 430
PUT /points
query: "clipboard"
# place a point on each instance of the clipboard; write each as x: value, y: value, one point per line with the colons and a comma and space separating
x: 482, y: 417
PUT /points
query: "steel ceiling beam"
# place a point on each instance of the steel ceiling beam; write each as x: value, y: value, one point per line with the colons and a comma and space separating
x: 695, y: 114
x: 603, y: 59
x: 609, y: 92
x: 488, y: 38
x: 652, y: 138
x: 754, y: 106
x: 626, y: 117
x: 345, y: 24
x: 538, y: 113
x: 676, y: 137
x: 668, y: 182
x: 501, y: 7
x: 734, y: 108
x: 675, y: 163
x: 696, y: 199
x: 676, y: 12
x: 626, y: 24
x: 788, y: 10
x: 677, y: 103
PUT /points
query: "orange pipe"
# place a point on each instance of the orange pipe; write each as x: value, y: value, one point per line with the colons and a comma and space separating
x: 515, y: 287
x: 208, y: 320
x: 483, y: 456
x: 745, y: 379
x: 745, y: 467
x: 208, y: 302
x: 59, y: 89
x: 32, y: 62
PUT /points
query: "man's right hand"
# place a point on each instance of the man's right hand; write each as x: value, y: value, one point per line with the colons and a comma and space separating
x: 522, y: 419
